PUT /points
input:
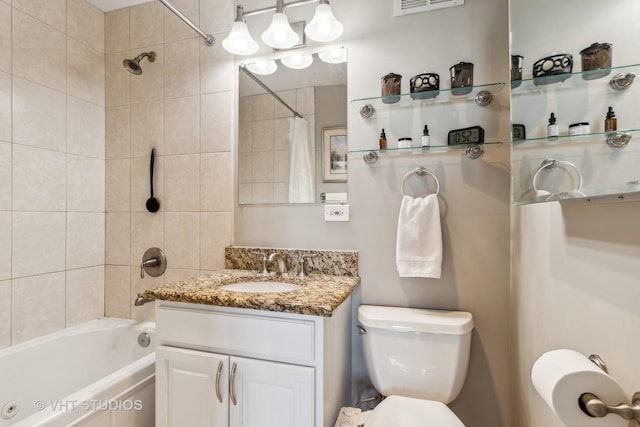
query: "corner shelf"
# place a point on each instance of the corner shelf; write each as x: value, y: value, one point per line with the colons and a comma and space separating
x: 444, y: 96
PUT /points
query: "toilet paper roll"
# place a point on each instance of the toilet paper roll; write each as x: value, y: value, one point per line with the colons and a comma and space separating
x: 562, y: 376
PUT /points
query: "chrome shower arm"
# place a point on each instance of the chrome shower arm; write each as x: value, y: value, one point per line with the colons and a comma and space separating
x: 150, y: 55
x: 208, y: 38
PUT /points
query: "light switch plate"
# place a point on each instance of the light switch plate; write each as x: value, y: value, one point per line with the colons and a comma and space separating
x: 336, y: 212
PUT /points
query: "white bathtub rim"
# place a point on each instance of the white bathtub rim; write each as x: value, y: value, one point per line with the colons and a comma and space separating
x: 95, y: 324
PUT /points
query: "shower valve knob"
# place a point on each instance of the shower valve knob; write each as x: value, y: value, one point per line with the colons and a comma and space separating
x: 154, y: 263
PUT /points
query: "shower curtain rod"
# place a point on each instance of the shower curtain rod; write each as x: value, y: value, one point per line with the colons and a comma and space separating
x: 265, y: 87
x: 208, y: 38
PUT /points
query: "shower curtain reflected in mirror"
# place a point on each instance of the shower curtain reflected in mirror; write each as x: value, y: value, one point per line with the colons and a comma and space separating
x: 301, y: 164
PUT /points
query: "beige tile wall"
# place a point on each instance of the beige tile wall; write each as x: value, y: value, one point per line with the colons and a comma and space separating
x: 263, y: 144
x: 182, y: 105
x: 52, y: 167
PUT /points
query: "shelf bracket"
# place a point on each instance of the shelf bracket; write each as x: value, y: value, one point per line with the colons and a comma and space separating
x: 483, y: 98
x: 367, y: 111
x: 618, y: 139
x: 370, y: 157
x: 474, y: 151
x: 622, y: 81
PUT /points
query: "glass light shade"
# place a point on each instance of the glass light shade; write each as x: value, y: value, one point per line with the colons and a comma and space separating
x: 279, y: 35
x: 324, y: 27
x: 334, y: 56
x: 263, y: 68
x: 298, y: 62
x: 239, y: 41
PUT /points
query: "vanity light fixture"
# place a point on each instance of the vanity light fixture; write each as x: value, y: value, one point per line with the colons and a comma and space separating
x: 334, y: 56
x: 324, y: 27
x: 297, y: 62
x: 239, y: 41
x: 263, y: 68
x: 280, y: 35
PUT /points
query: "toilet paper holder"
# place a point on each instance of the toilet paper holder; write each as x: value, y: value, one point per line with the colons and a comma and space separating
x: 594, y: 407
x: 591, y: 405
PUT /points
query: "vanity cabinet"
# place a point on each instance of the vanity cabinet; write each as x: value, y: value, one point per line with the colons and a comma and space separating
x: 216, y: 390
x: 222, y: 366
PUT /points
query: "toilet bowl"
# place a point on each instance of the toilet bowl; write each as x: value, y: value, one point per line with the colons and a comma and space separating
x: 399, y: 411
x: 418, y: 359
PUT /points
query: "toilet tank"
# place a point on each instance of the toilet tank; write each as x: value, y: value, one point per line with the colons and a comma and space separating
x: 416, y: 352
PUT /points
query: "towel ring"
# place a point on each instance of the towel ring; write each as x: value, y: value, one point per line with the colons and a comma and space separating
x: 420, y: 171
x: 549, y: 164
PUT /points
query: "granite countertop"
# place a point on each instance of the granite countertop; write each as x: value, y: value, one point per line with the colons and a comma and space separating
x: 321, y: 295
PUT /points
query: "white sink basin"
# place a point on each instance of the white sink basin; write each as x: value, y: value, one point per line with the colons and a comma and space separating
x: 261, y: 287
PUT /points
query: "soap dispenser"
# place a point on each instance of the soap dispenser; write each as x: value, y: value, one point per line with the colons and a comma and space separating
x: 552, y: 127
x: 610, y: 122
x: 425, y: 142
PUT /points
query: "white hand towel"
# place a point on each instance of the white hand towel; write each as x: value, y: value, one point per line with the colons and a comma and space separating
x: 419, y: 240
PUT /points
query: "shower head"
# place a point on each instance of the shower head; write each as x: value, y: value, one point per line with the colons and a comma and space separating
x: 133, y: 65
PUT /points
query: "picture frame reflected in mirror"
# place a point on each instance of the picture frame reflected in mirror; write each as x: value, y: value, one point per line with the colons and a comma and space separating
x: 334, y: 154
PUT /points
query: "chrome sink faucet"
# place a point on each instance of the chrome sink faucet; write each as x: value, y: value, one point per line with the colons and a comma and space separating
x: 263, y: 270
x: 282, y: 265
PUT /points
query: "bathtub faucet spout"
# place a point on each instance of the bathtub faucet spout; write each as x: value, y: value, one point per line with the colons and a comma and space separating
x: 140, y: 300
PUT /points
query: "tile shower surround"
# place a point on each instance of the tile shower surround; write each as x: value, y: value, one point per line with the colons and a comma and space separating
x: 52, y: 164
x: 182, y: 105
x: 76, y: 131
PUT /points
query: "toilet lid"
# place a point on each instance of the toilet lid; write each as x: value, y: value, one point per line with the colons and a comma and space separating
x: 400, y: 411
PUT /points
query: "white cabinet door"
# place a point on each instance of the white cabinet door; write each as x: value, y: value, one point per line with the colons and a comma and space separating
x: 270, y: 394
x: 192, y: 388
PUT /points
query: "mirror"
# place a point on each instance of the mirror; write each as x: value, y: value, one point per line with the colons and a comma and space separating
x: 278, y: 162
x: 584, y: 162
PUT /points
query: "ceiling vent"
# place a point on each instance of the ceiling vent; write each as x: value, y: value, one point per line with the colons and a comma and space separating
x: 407, y: 7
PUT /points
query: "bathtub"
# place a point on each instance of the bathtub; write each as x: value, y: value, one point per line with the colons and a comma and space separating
x: 87, y: 375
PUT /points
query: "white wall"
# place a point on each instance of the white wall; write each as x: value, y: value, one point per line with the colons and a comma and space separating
x: 474, y: 193
x: 575, y: 285
x: 574, y: 265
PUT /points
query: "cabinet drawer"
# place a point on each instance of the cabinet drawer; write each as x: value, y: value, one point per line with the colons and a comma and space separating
x: 257, y: 336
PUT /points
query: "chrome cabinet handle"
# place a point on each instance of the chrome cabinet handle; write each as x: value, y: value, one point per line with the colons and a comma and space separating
x: 218, y: 394
x: 232, y: 377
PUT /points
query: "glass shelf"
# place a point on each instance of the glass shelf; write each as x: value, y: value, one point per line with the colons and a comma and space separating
x: 419, y: 150
x: 626, y: 192
x: 568, y: 80
x: 471, y: 151
x: 569, y: 139
x: 444, y: 96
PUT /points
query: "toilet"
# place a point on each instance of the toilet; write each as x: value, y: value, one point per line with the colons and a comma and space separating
x: 418, y: 360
